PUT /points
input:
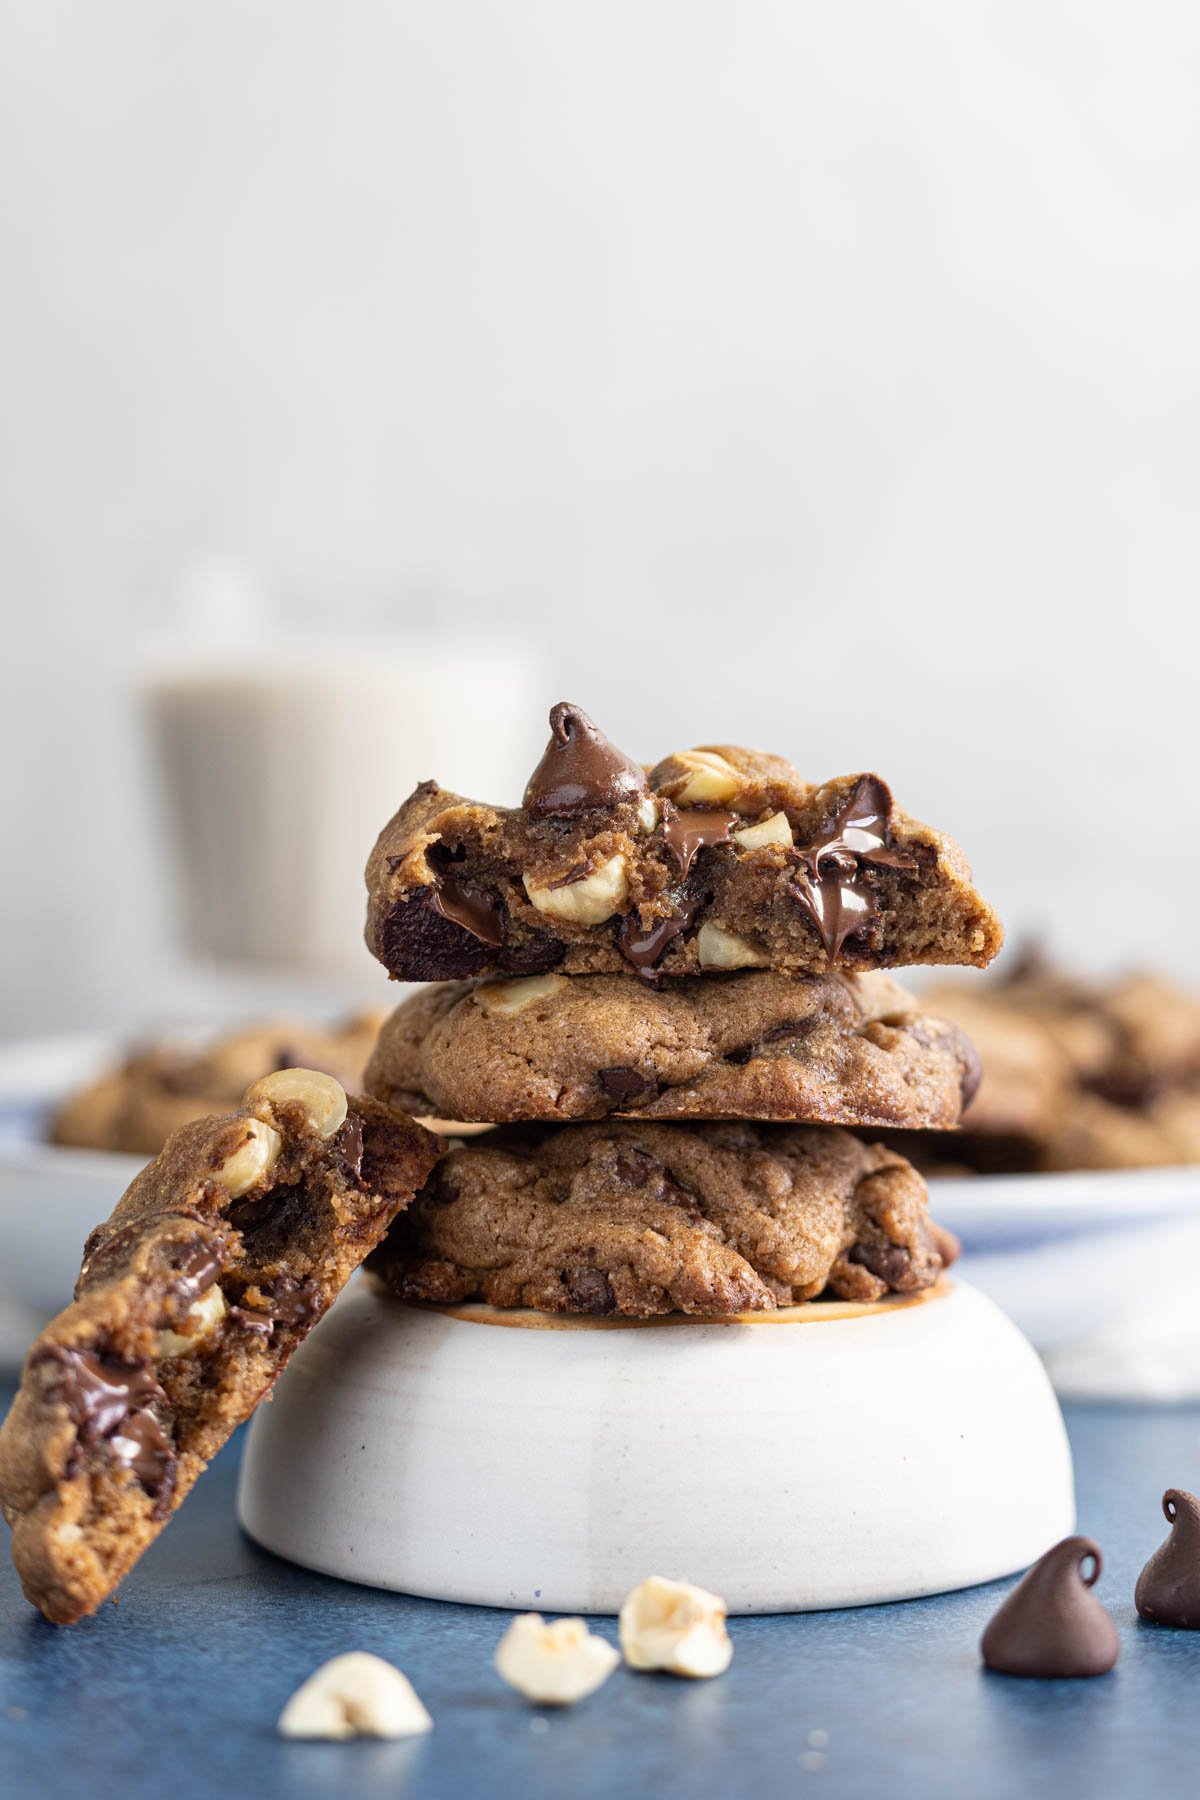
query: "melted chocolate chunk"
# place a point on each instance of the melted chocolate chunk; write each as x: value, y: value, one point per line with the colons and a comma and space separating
x: 196, y: 1268
x: 644, y: 946
x: 472, y: 907
x: 890, y: 1263
x: 1052, y: 1625
x: 348, y: 1145
x: 1168, y: 1588
x: 691, y: 829
x: 115, y: 1403
x: 624, y: 1084
x: 580, y: 769
x: 422, y: 943
x: 590, y: 1290
x: 538, y: 953
x: 829, y: 882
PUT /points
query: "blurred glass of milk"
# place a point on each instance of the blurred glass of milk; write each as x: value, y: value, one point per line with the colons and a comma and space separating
x: 280, y: 756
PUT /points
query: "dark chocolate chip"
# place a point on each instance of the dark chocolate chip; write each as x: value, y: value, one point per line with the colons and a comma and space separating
x: 348, y: 1146
x: 625, y: 1084
x: 580, y: 769
x: 420, y: 943
x: 644, y: 946
x: 1052, y: 1625
x: 534, y: 956
x: 691, y: 829
x: 890, y: 1263
x: 831, y: 882
x: 1168, y: 1588
x: 634, y: 1167
x: 590, y: 1290
x: 116, y: 1403
x: 472, y: 907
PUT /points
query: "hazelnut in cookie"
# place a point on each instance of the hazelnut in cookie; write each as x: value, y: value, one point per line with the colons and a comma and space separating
x: 216, y: 1263
x: 720, y: 858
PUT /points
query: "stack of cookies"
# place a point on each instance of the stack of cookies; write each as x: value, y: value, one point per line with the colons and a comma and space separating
x: 665, y: 990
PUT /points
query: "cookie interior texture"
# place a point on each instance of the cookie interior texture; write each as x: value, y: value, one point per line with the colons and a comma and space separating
x: 188, y: 1306
x: 833, y: 1049
x: 640, y: 1219
x: 665, y: 881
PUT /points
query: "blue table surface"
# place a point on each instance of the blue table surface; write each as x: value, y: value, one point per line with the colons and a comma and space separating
x: 176, y: 1690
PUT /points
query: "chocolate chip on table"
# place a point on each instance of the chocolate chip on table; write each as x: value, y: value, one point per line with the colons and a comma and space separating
x: 580, y: 769
x: 1052, y: 1625
x: 1168, y: 1588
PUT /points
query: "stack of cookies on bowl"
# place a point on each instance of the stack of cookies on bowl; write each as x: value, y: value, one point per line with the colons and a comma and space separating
x: 665, y: 990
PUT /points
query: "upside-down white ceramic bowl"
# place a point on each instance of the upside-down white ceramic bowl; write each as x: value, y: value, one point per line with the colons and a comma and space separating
x: 826, y: 1456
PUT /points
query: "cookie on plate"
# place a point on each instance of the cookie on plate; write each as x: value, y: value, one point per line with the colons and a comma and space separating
x: 636, y: 1219
x: 216, y: 1263
x: 720, y: 858
x: 134, y: 1108
x: 832, y: 1049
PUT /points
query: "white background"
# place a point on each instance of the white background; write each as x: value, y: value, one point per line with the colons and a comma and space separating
x: 819, y: 376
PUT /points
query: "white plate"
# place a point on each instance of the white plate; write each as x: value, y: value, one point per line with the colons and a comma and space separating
x: 1062, y: 1254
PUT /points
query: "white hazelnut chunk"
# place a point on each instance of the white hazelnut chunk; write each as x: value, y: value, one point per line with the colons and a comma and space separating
x: 500, y: 999
x: 648, y: 814
x: 322, y: 1099
x: 202, y: 1318
x: 590, y: 900
x: 358, y: 1695
x: 709, y: 779
x: 674, y: 1626
x: 554, y: 1665
x: 255, y: 1155
x: 720, y: 949
x: 774, y: 830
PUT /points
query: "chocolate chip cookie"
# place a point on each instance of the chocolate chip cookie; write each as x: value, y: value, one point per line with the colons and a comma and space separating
x: 216, y: 1263
x: 831, y: 1049
x: 638, y: 1219
x: 721, y: 858
x: 134, y: 1108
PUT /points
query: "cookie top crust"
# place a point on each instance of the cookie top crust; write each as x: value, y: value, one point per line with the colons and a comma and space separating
x: 214, y: 1265
x: 134, y: 1107
x: 719, y: 858
x: 831, y: 1049
x: 639, y: 1219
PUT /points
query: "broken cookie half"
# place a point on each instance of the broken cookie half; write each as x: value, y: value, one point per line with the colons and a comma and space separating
x: 720, y: 858
x: 217, y: 1262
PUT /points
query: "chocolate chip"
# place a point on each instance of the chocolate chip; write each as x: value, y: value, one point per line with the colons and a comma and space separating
x: 624, y: 1084
x: 1052, y: 1625
x: 691, y: 829
x: 115, y: 1403
x: 421, y: 943
x: 590, y: 1290
x: 348, y: 1146
x: 890, y: 1263
x: 1168, y: 1588
x: 534, y: 956
x: 472, y: 907
x: 644, y: 946
x: 832, y: 884
x: 580, y: 769
x: 634, y: 1167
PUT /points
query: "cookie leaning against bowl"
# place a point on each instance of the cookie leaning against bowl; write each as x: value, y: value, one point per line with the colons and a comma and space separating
x: 216, y: 1263
x: 639, y: 1219
x: 720, y: 858
x: 826, y: 1049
